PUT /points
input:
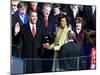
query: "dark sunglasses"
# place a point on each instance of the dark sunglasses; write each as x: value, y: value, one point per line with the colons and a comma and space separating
x: 14, y: 5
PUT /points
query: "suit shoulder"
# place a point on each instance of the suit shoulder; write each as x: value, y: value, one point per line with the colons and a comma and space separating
x: 25, y: 26
x: 63, y: 46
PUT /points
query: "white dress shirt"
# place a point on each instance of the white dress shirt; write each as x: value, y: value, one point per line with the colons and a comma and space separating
x: 93, y: 9
x: 78, y: 30
x: 75, y: 10
x: 22, y: 17
x: 31, y: 25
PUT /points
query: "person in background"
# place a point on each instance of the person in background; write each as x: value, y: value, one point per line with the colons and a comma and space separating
x: 80, y: 35
x: 89, y: 13
x: 47, y: 21
x: 79, y: 30
x: 72, y: 11
x: 34, y: 6
x: 92, y: 36
x: 56, y: 10
x: 14, y: 4
x: 69, y: 53
x: 19, y: 17
x: 93, y: 58
x: 84, y: 40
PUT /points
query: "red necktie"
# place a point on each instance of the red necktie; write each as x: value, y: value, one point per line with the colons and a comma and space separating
x: 33, y: 31
x: 46, y: 22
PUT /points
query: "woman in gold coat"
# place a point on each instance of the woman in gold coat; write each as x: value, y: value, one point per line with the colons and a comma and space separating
x: 60, y: 39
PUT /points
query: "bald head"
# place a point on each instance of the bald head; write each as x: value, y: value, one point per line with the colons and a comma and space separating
x: 71, y: 35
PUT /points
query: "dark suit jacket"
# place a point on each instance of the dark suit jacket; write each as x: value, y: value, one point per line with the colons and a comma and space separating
x: 16, y: 18
x: 16, y: 46
x: 67, y: 56
x: 89, y: 18
x: 30, y: 45
x: 50, y: 29
x: 49, y: 32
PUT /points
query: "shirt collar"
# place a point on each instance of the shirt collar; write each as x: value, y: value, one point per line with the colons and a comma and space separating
x: 31, y: 25
x: 70, y: 40
x: 78, y: 30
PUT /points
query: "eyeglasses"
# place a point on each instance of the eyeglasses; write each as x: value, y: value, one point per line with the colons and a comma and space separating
x: 14, y: 5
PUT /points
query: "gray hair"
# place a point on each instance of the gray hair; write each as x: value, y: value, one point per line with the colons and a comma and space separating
x: 47, y: 5
x: 22, y: 5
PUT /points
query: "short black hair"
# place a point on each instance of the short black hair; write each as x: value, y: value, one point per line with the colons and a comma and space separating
x: 62, y: 15
x: 30, y: 11
x: 56, y: 5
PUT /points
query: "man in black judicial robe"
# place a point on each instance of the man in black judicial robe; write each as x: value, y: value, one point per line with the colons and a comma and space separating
x: 68, y: 54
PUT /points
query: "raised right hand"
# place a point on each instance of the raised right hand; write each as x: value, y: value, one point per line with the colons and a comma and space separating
x: 17, y: 28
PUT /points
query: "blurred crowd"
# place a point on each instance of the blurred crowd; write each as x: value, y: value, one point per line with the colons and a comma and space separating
x: 43, y: 32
